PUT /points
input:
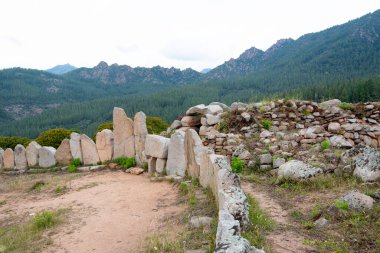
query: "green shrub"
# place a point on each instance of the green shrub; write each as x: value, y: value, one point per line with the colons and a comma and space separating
x: 105, y: 125
x: 345, y: 106
x: 342, y: 205
x: 237, y: 164
x: 126, y: 162
x: 53, y: 137
x: 11, y: 142
x: 44, y: 219
x: 72, y: 168
x: 325, y: 144
x: 156, y: 125
x: 266, y: 123
x: 37, y: 186
x: 76, y: 162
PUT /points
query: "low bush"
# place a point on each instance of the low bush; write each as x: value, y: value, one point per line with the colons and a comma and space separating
x: 44, y: 220
x: 345, y: 106
x: 266, y: 123
x: 11, y: 142
x: 126, y: 162
x: 72, y: 168
x: 53, y: 137
x: 105, y: 125
x: 156, y: 125
x: 76, y: 162
x: 237, y: 165
x: 325, y: 144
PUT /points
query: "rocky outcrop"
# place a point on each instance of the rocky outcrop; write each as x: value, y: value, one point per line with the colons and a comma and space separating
x: 104, y: 145
x: 63, y: 154
x: 75, y: 146
x: 32, y: 153
x: 89, y: 151
x: 46, y: 157
x: 9, y: 159
x: 176, y: 164
x: 20, y: 158
x: 124, y: 140
x: 140, y: 132
x: 297, y: 170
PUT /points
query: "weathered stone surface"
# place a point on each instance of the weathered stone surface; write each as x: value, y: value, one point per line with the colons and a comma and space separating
x: 224, y: 106
x: 124, y: 140
x: 1, y: 158
x: 330, y: 103
x: 340, y: 142
x: 46, y: 157
x: 63, y: 154
x: 278, y: 162
x: 358, y: 201
x: 246, y: 116
x: 265, y: 159
x: 176, y: 164
x: 161, y: 165
x: 75, y: 146
x: 190, y: 121
x: 297, y: 170
x: 214, y: 109
x: 197, y: 110
x: 367, y: 165
x: 136, y: 171
x: 176, y: 124
x: 32, y: 153
x: 152, y: 165
x: 321, y: 222
x: 334, y: 127
x: 140, y: 131
x: 195, y: 153
x: 89, y: 151
x: 212, y: 119
x: 156, y: 146
x: 104, y: 145
x: 9, y: 159
x: 200, y: 221
x: 20, y: 158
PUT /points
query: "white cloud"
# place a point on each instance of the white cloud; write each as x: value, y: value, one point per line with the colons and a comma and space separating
x: 198, y: 34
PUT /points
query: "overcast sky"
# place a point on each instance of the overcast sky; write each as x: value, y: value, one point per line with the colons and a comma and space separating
x: 195, y: 33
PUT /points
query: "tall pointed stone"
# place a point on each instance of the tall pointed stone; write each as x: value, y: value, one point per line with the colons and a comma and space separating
x: 104, y: 144
x: 46, y: 157
x: 63, y: 154
x: 194, y: 153
x: 140, y: 132
x: 176, y: 164
x: 9, y: 159
x: 32, y: 153
x: 1, y: 158
x: 20, y: 158
x: 89, y: 151
x: 75, y: 146
x: 124, y: 140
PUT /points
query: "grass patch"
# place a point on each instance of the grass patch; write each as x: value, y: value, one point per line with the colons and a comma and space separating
x: 126, y: 162
x: 237, y: 165
x: 28, y: 237
x: 260, y: 225
x: 325, y: 144
x: 266, y: 123
x: 37, y: 186
x: 60, y: 189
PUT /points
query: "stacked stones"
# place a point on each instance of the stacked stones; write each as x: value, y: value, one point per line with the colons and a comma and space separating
x: 156, y: 151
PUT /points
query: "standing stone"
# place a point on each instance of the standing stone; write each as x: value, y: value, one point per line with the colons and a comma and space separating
x: 156, y: 146
x: 75, y: 146
x: 124, y: 141
x: 32, y: 153
x: 194, y: 153
x: 140, y: 132
x: 20, y: 157
x: 160, y: 165
x: 46, y: 157
x: 104, y: 144
x: 1, y: 158
x: 152, y: 165
x: 176, y: 164
x: 9, y: 159
x: 89, y: 151
x: 63, y: 154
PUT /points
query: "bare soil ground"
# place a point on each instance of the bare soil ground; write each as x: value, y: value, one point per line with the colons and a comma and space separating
x: 107, y: 211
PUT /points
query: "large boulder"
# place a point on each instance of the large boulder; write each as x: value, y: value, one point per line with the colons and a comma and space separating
x: 190, y: 121
x: 75, y: 147
x: 124, y: 140
x: 176, y: 164
x: 327, y: 105
x: 366, y: 162
x: 20, y: 158
x: 297, y: 170
x: 63, y: 154
x: 9, y: 159
x: 32, y: 153
x: 156, y: 146
x: 104, y: 144
x: 46, y: 157
x: 197, y: 110
x: 140, y: 132
x: 1, y: 158
x: 89, y: 151
x: 357, y: 200
x: 195, y: 152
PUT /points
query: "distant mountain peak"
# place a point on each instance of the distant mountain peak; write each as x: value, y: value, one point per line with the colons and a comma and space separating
x: 250, y: 54
x: 102, y: 65
x: 61, y: 69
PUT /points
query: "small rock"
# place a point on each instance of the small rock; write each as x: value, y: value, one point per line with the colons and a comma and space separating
x: 265, y: 159
x: 321, y: 222
x: 297, y: 170
x: 136, y: 171
x: 357, y: 200
x: 278, y: 162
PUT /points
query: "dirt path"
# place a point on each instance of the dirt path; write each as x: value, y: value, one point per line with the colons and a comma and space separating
x: 109, y: 212
x: 284, y: 238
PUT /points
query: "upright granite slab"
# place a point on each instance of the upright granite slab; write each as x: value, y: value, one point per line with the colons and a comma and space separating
x: 9, y: 159
x: 89, y: 151
x: 63, y: 154
x: 75, y: 146
x: 20, y: 158
x: 176, y: 164
x: 32, y: 153
x: 46, y: 157
x: 1, y: 158
x: 140, y: 132
x: 104, y: 144
x: 124, y: 140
